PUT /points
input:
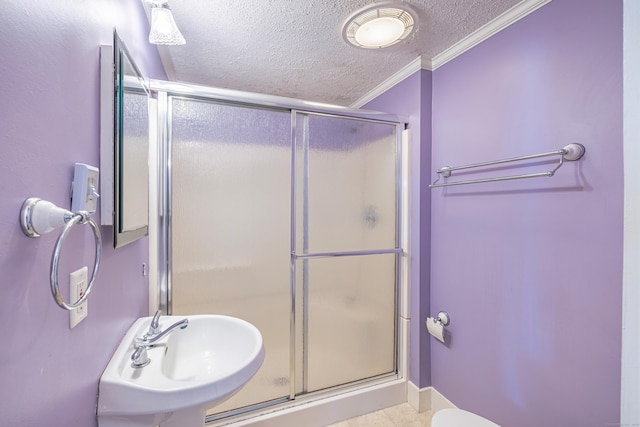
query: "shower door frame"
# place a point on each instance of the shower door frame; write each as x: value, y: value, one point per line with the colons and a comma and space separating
x: 163, y: 92
x: 306, y: 255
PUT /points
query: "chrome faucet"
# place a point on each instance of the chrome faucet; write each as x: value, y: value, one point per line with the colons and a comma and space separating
x: 154, y: 329
x: 140, y: 358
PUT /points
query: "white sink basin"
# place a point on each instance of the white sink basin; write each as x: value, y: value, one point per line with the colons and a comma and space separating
x: 191, y: 370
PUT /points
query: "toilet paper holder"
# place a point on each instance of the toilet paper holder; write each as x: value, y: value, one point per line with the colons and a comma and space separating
x: 443, y: 318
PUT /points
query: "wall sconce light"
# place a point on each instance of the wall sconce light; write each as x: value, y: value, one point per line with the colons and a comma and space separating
x: 164, y: 30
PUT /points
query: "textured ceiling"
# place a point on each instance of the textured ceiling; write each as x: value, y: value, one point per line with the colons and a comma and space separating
x: 294, y: 48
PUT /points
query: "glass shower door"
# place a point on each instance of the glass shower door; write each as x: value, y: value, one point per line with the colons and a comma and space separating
x: 230, y: 227
x: 346, y: 249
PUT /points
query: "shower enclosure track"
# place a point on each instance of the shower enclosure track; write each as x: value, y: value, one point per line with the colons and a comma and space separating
x: 346, y: 253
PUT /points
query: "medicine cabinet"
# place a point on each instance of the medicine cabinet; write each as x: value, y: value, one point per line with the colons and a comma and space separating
x: 124, y: 153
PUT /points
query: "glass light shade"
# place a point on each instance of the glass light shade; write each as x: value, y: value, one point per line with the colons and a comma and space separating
x: 164, y: 30
x: 380, y: 32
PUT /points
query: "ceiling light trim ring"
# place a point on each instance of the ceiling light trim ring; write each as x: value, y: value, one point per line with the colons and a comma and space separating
x: 379, y: 11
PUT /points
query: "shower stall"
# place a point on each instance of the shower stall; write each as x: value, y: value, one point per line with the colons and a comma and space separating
x: 288, y: 215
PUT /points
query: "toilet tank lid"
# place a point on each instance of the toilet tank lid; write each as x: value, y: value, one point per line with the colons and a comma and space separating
x: 459, y: 418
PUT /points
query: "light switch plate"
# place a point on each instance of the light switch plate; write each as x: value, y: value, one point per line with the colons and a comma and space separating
x: 85, y: 188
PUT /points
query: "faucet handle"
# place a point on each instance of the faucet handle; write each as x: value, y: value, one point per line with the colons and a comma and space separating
x: 154, y: 328
x: 140, y: 358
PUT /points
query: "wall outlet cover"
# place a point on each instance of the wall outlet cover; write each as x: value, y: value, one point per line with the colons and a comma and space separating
x: 77, y: 288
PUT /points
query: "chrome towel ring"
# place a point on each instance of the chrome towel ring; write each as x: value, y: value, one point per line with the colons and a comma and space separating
x: 83, y: 218
x: 38, y: 217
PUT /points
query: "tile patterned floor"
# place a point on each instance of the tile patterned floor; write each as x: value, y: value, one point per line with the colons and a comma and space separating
x: 396, y: 416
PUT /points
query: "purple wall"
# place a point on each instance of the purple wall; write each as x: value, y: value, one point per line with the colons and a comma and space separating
x: 412, y: 97
x: 531, y: 271
x: 50, y: 120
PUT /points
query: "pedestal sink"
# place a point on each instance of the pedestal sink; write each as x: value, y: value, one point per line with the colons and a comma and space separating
x: 190, y: 370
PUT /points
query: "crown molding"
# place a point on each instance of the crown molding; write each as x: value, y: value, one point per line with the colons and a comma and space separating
x: 415, y: 65
x: 496, y: 25
x: 491, y: 28
x: 167, y: 62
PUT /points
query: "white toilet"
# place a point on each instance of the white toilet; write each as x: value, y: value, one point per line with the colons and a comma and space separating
x: 458, y: 418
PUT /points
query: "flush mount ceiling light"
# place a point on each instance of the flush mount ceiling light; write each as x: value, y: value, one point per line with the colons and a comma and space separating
x: 379, y: 25
x: 164, y: 30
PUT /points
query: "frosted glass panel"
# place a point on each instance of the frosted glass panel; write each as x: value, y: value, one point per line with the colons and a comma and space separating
x: 347, y: 170
x: 134, y: 162
x: 231, y: 173
x: 351, y: 318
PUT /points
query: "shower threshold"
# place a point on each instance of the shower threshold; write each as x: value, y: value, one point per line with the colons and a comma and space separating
x: 321, y: 408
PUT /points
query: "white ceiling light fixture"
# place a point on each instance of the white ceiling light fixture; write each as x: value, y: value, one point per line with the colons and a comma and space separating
x: 379, y: 25
x: 164, y: 30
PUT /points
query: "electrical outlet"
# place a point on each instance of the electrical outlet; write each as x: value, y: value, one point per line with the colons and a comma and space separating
x: 77, y: 288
